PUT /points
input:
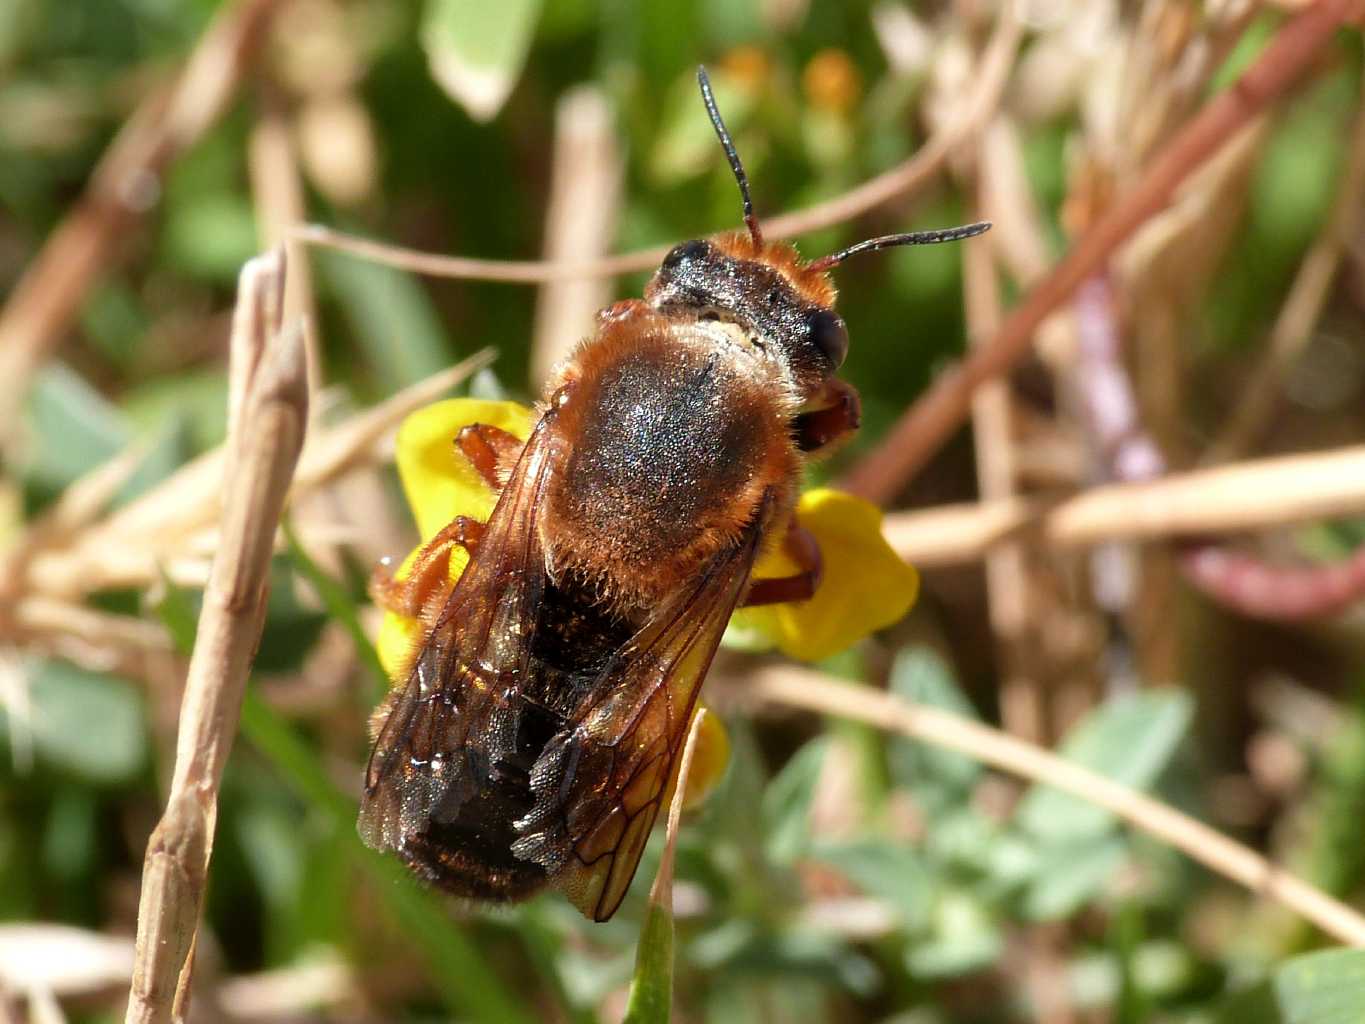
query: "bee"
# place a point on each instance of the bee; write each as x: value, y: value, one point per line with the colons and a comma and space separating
x: 536, y: 735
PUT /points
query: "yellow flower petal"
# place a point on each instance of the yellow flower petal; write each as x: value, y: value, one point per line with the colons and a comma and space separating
x: 440, y: 484
x: 865, y: 585
x: 439, y: 481
x: 710, y: 758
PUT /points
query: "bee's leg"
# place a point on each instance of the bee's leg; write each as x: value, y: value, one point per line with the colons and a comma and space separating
x: 490, y: 450
x: 805, y: 552
x: 839, y: 414
x: 428, y: 581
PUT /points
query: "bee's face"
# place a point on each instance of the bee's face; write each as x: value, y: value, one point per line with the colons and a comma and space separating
x: 700, y: 279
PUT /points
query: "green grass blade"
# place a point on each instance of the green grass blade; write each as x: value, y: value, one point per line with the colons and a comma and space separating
x: 341, y: 607
x: 651, y: 990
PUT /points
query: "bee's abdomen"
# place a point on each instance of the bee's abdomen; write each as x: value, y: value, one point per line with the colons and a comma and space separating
x: 466, y: 846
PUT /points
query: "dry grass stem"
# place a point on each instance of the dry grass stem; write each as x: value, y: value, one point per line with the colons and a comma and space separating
x: 1253, y: 495
x: 898, y: 182
x: 924, y: 427
x: 124, y: 186
x: 793, y: 687
x: 580, y: 222
x: 44, y: 615
x: 277, y: 188
x: 662, y: 890
x: 265, y: 446
x: 62, y: 960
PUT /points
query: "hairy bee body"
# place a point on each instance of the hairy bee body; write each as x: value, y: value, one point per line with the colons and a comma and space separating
x: 535, y: 737
x: 678, y: 438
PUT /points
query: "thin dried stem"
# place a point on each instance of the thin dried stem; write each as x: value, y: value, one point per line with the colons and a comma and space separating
x: 792, y: 687
x: 898, y: 182
x: 277, y: 189
x: 661, y: 892
x: 928, y: 423
x: 124, y: 186
x: 264, y: 449
x: 1244, y: 497
x: 580, y: 221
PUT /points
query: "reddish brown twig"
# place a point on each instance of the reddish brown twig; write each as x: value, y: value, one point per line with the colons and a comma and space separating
x: 124, y: 186
x: 927, y: 424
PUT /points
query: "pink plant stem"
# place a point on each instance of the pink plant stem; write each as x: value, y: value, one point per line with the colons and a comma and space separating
x: 1239, y: 581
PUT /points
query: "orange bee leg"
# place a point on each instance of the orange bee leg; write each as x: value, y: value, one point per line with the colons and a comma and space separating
x: 805, y: 552
x: 490, y: 450
x: 822, y: 427
x: 427, y: 583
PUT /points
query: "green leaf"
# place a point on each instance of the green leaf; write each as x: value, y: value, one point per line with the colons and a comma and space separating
x: 476, y: 50
x: 341, y: 607
x: 1130, y: 740
x: 651, y: 989
x: 921, y: 676
x: 85, y: 722
x: 73, y: 428
x: 1069, y: 875
x: 786, y: 802
x: 1327, y: 987
x: 686, y: 143
x: 211, y: 235
x: 963, y: 938
x: 885, y: 870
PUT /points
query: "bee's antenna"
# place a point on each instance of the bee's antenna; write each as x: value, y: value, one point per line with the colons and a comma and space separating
x: 722, y: 133
x: 911, y: 238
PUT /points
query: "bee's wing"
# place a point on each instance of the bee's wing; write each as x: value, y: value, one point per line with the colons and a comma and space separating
x: 599, y: 784
x: 473, y: 656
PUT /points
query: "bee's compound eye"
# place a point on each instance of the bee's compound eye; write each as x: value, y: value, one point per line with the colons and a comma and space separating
x: 680, y: 254
x: 829, y: 335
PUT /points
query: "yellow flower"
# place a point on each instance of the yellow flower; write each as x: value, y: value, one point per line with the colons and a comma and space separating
x: 440, y: 484
x: 865, y: 586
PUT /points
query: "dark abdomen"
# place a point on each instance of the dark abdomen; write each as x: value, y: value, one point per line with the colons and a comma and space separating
x: 468, y: 850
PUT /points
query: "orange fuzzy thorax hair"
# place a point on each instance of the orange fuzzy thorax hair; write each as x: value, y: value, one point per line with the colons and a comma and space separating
x: 813, y: 285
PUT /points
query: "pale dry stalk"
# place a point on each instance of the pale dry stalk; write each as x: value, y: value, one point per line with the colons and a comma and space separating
x: 277, y: 189
x: 899, y: 182
x: 124, y: 186
x: 1007, y: 585
x: 1244, y: 497
x: 580, y: 222
x: 265, y: 445
x: 801, y: 688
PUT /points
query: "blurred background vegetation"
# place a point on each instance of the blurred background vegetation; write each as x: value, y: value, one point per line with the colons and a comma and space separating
x: 879, y: 880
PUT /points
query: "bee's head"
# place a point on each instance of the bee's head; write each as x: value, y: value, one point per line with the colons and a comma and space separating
x: 785, y: 305
x: 786, y: 311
